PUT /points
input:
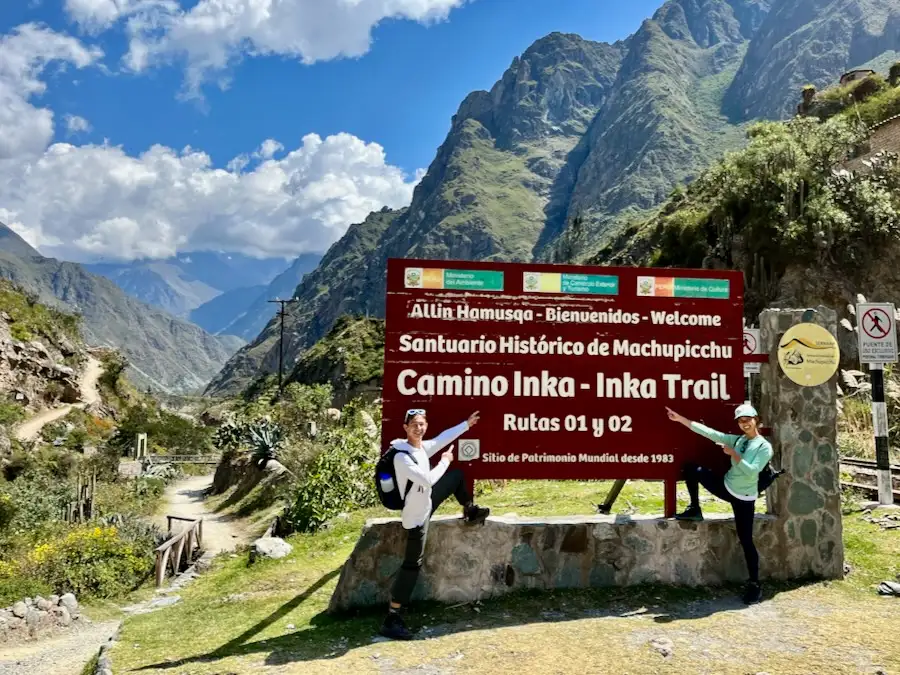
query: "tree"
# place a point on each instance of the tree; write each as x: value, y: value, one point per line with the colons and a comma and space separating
x: 894, y: 74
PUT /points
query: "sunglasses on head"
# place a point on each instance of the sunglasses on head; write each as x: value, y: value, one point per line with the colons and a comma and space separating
x: 412, y: 412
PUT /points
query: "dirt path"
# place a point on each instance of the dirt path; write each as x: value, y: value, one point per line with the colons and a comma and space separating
x: 185, y: 498
x: 29, y: 430
x: 63, y: 655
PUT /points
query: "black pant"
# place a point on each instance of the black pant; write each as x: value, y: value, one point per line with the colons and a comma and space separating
x: 694, y: 476
x: 451, y: 483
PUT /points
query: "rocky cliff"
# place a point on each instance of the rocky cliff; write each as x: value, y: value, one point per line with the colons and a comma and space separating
x: 574, y: 128
x: 164, y: 352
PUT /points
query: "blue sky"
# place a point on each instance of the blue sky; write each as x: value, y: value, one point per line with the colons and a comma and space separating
x: 400, y: 94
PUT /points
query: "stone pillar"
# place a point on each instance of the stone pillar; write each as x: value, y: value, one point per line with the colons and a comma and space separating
x: 806, y: 500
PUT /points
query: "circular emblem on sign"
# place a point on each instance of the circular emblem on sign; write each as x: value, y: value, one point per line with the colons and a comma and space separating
x: 413, y: 277
x: 532, y: 280
x: 808, y: 354
x: 876, y: 323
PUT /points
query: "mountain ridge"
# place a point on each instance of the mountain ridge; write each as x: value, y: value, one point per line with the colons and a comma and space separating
x: 605, y: 140
x: 165, y: 352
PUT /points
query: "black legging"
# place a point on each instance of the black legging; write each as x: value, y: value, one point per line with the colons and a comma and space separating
x: 694, y: 476
x: 451, y: 483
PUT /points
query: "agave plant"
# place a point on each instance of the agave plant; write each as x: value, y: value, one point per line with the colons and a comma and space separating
x: 265, y: 438
x: 165, y: 471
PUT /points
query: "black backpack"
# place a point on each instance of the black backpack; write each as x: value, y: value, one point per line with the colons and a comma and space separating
x: 386, y: 481
x: 766, y: 477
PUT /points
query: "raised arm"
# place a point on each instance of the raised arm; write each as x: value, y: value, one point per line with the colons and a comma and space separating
x: 436, y: 444
x: 715, y: 436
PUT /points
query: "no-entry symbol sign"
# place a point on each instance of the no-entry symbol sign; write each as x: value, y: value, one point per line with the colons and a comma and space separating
x: 751, y: 346
x: 877, y: 333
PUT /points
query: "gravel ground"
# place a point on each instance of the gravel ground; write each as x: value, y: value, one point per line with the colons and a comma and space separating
x: 65, y: 654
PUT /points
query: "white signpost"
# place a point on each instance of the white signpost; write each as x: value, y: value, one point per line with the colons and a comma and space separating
x: 877, y: 331
x: 751, y: 346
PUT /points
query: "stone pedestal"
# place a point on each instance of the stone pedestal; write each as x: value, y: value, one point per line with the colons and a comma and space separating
x: 465, y: 563
x: 806, y: 500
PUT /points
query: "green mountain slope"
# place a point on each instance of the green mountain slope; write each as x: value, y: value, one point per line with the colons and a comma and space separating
x: 575, y: 128
x: 809, y: 42
x: 663, y: 121
x: 164, y: 352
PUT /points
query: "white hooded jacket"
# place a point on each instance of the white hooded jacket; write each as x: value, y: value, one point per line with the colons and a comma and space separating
x: 416, y: 468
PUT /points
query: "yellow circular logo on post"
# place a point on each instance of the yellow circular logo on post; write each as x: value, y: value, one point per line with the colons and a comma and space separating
x: 808, y: 354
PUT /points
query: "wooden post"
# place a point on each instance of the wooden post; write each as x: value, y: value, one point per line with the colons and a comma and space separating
x: 200, y: 533
x: 671, y: 501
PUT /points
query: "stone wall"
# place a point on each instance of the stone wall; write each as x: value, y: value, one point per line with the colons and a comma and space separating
x: 32, y: 618
x: 807, y: 498
x: 799, y: 537
x: 465, y: 563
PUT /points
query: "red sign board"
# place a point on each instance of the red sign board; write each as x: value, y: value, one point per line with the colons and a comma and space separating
x: 571, y: 367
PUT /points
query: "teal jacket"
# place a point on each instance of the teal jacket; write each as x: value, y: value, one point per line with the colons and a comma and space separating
x: 742, y: 477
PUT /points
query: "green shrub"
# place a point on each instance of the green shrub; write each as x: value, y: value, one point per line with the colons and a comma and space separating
x: 7, y: 510
x: 90, y: 562
x: 878, y: 108
x: 39, y: 499
x: 338, y: 479
x: 10, y: 413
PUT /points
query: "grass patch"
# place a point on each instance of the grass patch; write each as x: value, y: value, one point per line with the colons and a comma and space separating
x: 32, y: 320
x: 239, y: 617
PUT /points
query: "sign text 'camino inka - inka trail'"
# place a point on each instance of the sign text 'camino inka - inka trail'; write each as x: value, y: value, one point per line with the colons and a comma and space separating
x: 571, y: 367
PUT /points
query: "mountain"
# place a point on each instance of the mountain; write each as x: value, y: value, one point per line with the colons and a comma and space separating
x: 810, y: 42
x: 164, y: 352
x: 217, y: 314
x: 13, y: 243
x: 182, y: 283
x: 244, y: 312
x: 576, y: 129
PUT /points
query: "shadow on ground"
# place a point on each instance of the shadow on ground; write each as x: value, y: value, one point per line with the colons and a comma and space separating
x: 332, y: 636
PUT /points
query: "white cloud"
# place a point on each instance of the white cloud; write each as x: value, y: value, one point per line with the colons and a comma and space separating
x: 97, y: 15
x: 24, y: 54
x: 84, y: 202
x: 90, y: 201
x: 77, y: 125
x: 212, y: 34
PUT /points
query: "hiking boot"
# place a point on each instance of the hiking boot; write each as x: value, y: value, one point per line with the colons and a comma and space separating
x: 753, y: 593
x: 691, y: 513
x: 394, y: 628
x: 474, y: 515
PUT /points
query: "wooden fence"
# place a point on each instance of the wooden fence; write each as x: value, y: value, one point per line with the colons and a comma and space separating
x: 178, y: 546
x: 81, y: 508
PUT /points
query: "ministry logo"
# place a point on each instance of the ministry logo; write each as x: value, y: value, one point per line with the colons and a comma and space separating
x: 469, y: 449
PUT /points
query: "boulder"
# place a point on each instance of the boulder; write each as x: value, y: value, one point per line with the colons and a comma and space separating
x: 20, y: 609
x: 62, y: 616
x: 270, y: 547
x: 69, y: 602
x: 43, y: 604
x: 333, y: 414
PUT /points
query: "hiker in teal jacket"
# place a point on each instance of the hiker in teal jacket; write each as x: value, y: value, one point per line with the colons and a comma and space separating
x: 749, y: 453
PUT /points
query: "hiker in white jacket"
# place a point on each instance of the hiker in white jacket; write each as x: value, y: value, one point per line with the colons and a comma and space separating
x: 425, y: 489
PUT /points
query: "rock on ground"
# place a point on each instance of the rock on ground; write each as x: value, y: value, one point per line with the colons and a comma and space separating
x: 271, y: 547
